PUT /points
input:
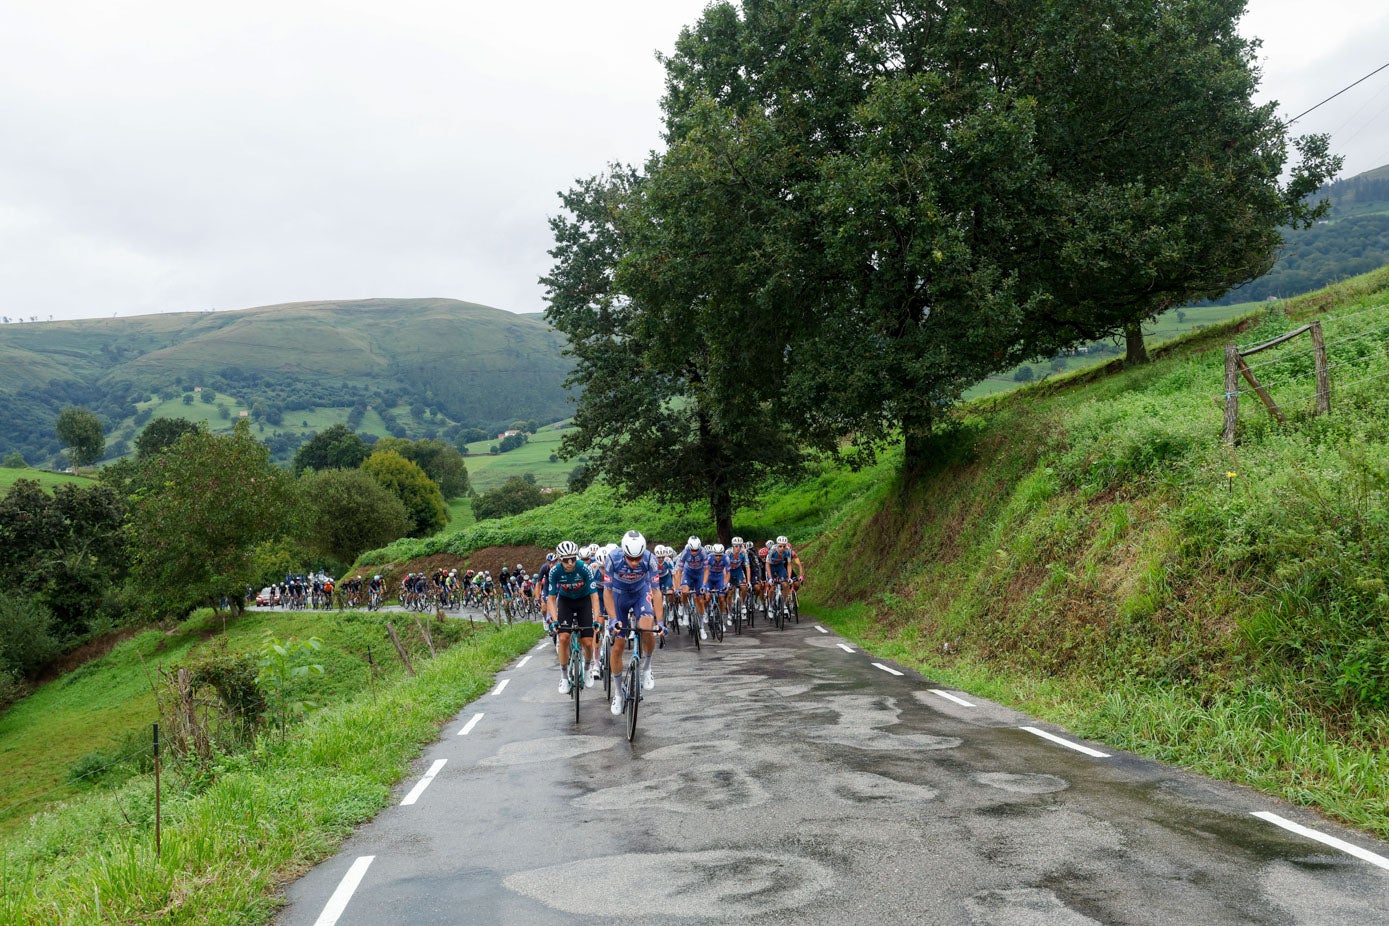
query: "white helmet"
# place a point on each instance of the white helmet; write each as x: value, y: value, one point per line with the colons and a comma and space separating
x: 692, y: 543
x: 567, y: 548
x: 608, y: 549
x: 737, y: 541
x: 718, y: 548
x: 633, y: 544
x: 782, y: 539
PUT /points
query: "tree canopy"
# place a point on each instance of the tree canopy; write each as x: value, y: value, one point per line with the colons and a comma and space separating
x: 338, y: 447
x: 514, y: 496
x: 160, y: 433
x: 440, y: 461
x: 409, y: 483
x: 82, y: 433
x: 349, y: 511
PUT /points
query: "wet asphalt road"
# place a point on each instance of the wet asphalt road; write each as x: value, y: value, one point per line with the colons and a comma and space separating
x: 777, y: 778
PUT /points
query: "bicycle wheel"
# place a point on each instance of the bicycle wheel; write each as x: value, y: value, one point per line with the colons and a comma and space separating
x: 633, y: 695
x: 576, y: 676
x: 795, y: 606
x: 738, y: 612
x: 606, y: 668
x: 717, y: 619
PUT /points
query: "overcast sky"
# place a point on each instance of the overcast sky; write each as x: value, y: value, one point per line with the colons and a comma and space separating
x: 172, y: 156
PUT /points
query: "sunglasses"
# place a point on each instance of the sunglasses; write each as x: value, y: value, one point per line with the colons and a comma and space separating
x: 567, y: 560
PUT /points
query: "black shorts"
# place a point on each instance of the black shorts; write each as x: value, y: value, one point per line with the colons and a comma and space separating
x: 578, y: 612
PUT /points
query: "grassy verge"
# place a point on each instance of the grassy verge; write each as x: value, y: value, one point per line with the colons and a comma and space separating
x: 233, y: 833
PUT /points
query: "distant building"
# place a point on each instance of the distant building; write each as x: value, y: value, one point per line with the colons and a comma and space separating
x: 506, y: 434
x: 243, y: 414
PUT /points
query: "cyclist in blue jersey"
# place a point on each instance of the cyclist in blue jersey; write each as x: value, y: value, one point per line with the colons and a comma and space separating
x: 738, y: 566
x: 665, y: 558
x: 716, y: 577
x: 780, y: 559
x: 631, y: 580
x: 690, y: 567
x: 573, y: 595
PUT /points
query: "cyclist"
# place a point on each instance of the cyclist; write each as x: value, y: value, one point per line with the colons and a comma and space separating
x: 631, y: 578
x: 739, y: 567
x: 780, y: 560
x: 573, y: 596
x: 716, y: 578
x: 376, y: 590
x: 665, y: 558
x: 691, y: 565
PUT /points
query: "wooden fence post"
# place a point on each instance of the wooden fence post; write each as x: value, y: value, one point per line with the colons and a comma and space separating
x: 400, y: 648
x: 424, y: 634
x: 1323, y: 371
x: 1232, y: 363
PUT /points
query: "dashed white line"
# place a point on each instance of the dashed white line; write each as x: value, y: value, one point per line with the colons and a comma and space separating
x: 821, y: 629
x: 887, y: 669
x: 499, y: 688
x: 524, y: 660
x: 338, y: 902
x: 1067, y: 743
x: 950, y: 697
x: 416, y: 791
x: 541, y: 645
x: 1332, y: 841
x: 845, y: 648
x: 472, y: 722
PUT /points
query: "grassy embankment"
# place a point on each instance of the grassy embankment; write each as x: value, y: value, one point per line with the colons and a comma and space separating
x: 49, y: 480
x: 236, y: 828
x: 1088, y: 551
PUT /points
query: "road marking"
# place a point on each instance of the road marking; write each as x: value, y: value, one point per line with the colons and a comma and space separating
x: 950, y: 697
x: 821, y: 629
x: 524, y: 661
x: 847, y: 649
x: 541, y: 645
x: 1067, y: 743
x: 1332, y: 841
x: 415, y: 793
x: 472, y: 722
x: 338, y: 902
x: 886, y: 668
x: 498, y: 689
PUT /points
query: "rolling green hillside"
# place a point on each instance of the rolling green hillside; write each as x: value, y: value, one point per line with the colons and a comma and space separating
x: 432, y: 365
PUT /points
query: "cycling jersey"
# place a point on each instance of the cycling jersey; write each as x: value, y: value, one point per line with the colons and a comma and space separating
x: 580, y: 583
x: 631, y: 585
x: 718, y: 572
x: 667, y: 576
x: 691, y: 564
x: 779, y: 562
x: 737, y: 568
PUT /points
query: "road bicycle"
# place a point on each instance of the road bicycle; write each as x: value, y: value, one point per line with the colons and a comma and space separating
x: 574, y: 671
x: 713, y: 618
x: 780, y: 609
x: 631, y: 683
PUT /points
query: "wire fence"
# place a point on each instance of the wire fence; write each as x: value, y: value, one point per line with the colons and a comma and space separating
x: 8, y: 809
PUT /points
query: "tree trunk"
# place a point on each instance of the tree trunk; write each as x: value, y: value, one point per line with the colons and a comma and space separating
x: 721, y: 505
x: 916, y: 451
x: 1137, y: 351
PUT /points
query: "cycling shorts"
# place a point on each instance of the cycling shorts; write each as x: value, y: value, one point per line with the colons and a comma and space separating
x: 639, y: 603
x: 576, y: 612
x: 716, y: 583
x: 779, y: 573
x: 737, y: 576
x: 692, y: 579
x: 668, y: 583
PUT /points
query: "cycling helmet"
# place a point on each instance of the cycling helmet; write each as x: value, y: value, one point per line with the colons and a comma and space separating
x: 718, y: 548
x: 376, y: 577
x: 567, y: 548
x: 737, y: 541
x: 609, y: 548
x: 692, y: 543
x: 782, y: 539
x: 633, y: 544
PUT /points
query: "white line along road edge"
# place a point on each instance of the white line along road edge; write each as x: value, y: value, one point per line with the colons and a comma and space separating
x: 1067, y: 743
x: 950, y: 697
x: 418, y: 789
x: 472, y: 722
x: 845, y: 647
x: 1331, y: 841
x: 338, y: 902
x: 498, y: 689
x: 821, y: 629
x: 524, y: 660
x: 887, y: 669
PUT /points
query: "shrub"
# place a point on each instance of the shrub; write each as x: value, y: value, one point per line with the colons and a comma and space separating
x: 27, y: 640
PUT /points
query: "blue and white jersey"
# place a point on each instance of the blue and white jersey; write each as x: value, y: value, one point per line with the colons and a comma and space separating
x: 692, y: 560
x: 623, y: 577
x: 779, y: 561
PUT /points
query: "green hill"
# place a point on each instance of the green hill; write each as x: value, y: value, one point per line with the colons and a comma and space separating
x: 431, y: 365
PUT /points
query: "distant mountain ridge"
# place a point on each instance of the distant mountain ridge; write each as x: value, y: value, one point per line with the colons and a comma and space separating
x: 454, y: 364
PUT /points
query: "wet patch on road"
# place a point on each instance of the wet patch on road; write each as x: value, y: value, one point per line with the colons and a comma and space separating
x: 860, y: 723
x: 721, y: 885
x: 696, y: 790
x: 690, y: 752
x: 1023, y: 784
x: 1326, y: 888
x: 868, y: 788
x: 549, y: 749
x: 1023, y: 907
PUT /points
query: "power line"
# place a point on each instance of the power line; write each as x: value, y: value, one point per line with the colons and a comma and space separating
x: 1339, y: 92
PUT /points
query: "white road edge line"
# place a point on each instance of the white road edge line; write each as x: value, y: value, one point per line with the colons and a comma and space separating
x: 338, y: 902
x: 524, y: 660
x: 1332, y: 841
x: 416, y: 791
x: 472, y: 722
x: 846, y: 648
x: 1067, y: 743
x: 821, y: 629
x: 498, y: 689
x: 950, y: 697
x: 887, y: 669
x: 541, y: 645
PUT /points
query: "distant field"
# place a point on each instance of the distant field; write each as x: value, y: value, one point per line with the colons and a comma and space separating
x: 488, y: 472
x: 8, y: 477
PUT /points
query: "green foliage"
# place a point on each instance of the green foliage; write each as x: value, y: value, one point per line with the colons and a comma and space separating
x: 349, y: 511
x: 512, y: 441
x: 27, y: 636
x: 81, y: 432
x: 336, y: 448
x: 15, y: 460
x: 203, y: 506
x: 280, y: 663
x: 417, y: 492
x: 160, y: 433
x: 442, y: 463
x: 515, y: 496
